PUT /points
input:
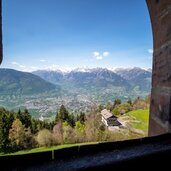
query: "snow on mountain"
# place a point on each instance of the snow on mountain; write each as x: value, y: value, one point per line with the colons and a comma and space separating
x: 65, y: 70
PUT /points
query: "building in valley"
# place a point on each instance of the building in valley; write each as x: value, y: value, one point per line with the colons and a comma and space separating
x: 109, y: 119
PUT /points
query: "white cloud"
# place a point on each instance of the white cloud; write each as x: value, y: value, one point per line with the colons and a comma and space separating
x: 17, y: 64
x: 105, y: 54
x: 150, y: 51
x: 98, y: 56
x: 42, y: 60
x: 95, y: 54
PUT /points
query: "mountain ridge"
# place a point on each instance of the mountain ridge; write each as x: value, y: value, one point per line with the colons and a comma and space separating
x: 127, y: 75
x: 102, y: 81
x: 22, y: 83
x: 87, y: 69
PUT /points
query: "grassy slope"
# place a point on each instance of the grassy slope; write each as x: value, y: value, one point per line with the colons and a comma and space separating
x: 142, y: 116
x: 42, y: 149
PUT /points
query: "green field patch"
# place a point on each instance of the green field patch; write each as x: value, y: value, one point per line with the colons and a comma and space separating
x: 44, y: 149
x: 139, y: 119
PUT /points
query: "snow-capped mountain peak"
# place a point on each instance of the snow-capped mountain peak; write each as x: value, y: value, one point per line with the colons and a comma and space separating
x: 66, y: 70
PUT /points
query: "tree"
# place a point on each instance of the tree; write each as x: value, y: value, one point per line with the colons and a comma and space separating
x: 103, y: 134
x: 63, y: 114
x: 45, y: 138
x: 19, y: 115
x: 116, y: 111
x: 34, y: 126
x: 129, y: 102
x: 82, y: 117
x: 71, y: 120
x: 92, y: 124
x: 24, y: 117
x: 117, y: 102
x: 6, y: 120
x: 80, y: 132
x: 29, y: 139
x: 77, y: 117
x: 17, y: 134
x: 100, y: 108
x: 80, y: 128
x: 58, y: 133
x: 109, y: 106
x: 68, y: 133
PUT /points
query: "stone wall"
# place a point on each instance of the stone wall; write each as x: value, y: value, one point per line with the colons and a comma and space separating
x: 160, y: 110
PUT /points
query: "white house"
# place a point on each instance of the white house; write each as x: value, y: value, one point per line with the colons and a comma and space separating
x: 109, y: 119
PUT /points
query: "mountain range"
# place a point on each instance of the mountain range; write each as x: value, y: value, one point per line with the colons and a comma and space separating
x: 18, y: 82
x: 43, y: 91
x: 137, y: 77
x: 127, y: 79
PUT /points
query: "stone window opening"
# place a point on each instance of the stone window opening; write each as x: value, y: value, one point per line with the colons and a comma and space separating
x: 160, y: 105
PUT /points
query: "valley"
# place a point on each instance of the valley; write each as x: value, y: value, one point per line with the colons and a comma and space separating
x: 43, y: 92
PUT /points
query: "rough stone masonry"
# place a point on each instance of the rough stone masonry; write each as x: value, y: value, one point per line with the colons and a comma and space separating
x: 160, y: 110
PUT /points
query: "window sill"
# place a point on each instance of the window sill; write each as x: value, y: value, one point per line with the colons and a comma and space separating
x: 108, y: 155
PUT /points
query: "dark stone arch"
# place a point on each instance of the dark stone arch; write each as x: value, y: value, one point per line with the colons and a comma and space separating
x: 160, y: 109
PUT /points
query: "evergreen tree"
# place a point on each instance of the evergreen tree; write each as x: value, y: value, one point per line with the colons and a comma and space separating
x: 63, y: 114
x: 34, y: 128
x: 24, y: 117
x: 6, y: 120
x: 77, y: 118
x: 117, y: 102
x: 71, y: 120
x: 19, y: 115
x: 82, y: 117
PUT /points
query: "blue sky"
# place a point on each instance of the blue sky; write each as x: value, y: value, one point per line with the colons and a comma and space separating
x: 40, y: 34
